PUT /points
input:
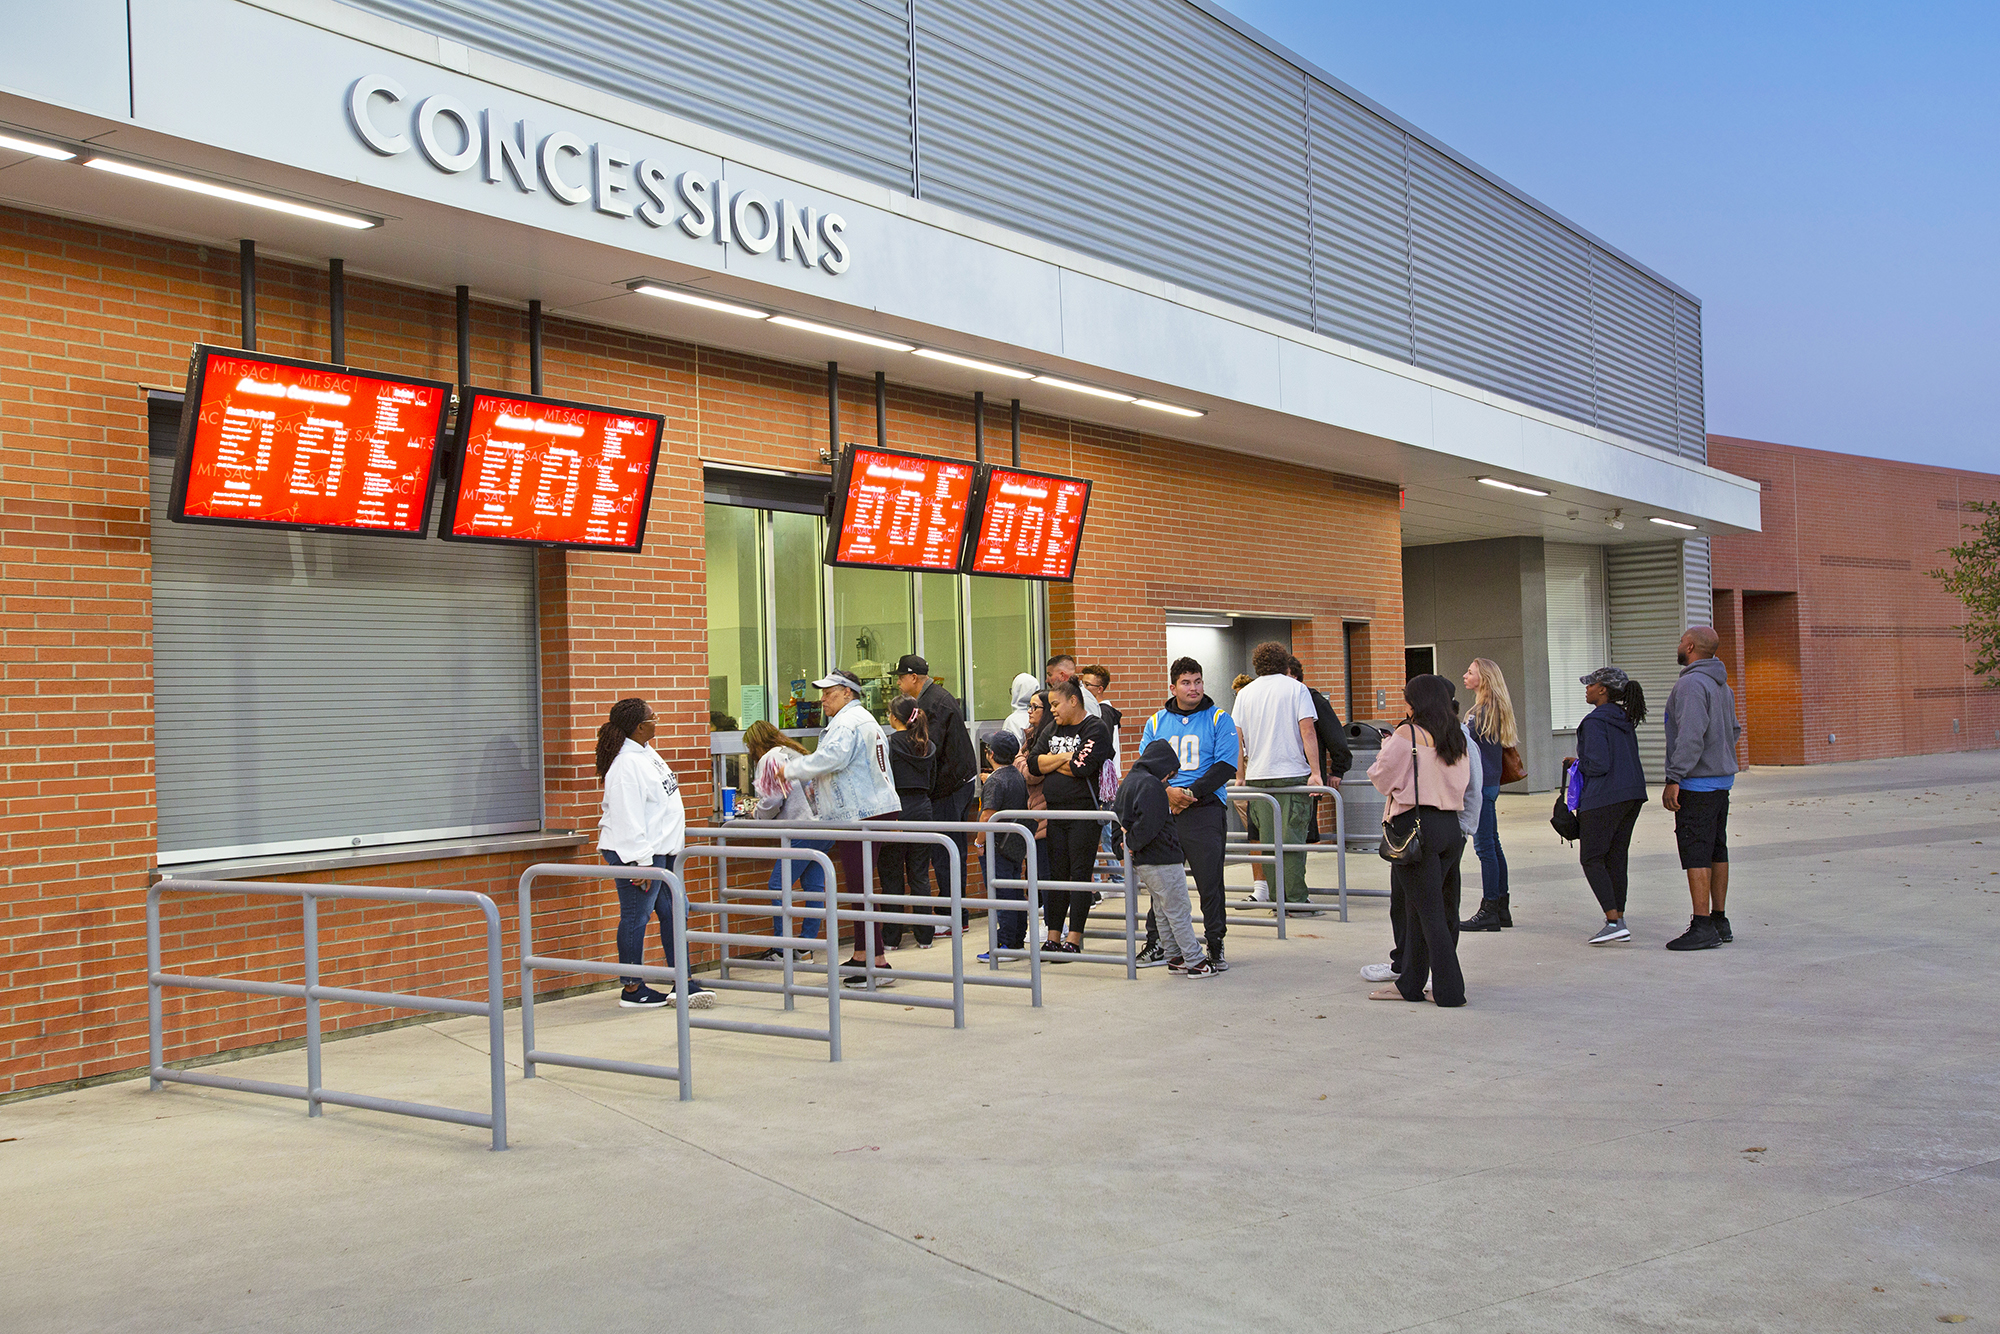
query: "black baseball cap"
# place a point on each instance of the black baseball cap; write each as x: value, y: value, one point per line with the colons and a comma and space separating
x: 912, y: 665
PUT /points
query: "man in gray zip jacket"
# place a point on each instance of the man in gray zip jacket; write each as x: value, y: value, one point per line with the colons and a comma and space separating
x: 1701, y: 768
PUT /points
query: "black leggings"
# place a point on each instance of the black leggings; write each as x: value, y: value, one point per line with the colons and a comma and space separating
x: 1429, y: 893
x: 1072, y: 856
x: 1605, y: 841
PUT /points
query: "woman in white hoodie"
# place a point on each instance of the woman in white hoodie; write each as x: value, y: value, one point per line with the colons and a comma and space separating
x: 644, y: 824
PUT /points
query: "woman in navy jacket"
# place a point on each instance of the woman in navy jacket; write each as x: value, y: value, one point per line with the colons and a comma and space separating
x: 1614, y: 788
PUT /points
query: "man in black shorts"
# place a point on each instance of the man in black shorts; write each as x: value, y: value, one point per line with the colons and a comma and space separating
x: 1701, y: 768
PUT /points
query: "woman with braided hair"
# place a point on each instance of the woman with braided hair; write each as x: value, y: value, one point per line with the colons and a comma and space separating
x: 644, y: 824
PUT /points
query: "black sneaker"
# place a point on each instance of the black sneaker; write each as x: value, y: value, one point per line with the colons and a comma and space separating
x: 856, y: 978
x: 1152, y: 956
x: 765, y: 956
x: 1203, y: 968
x: 645, y: 998
x: 1700, y: 935
x: 1722, y: 931
x: 1177, y: 964
x: 1215, y: 959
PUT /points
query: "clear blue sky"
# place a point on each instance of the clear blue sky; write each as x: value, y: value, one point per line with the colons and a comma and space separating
x: 1826, y: 178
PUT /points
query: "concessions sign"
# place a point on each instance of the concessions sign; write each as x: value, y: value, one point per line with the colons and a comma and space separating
x: 894, y: 511
x: 550, y: 473
x: 271, y: 442
x: 1029, y: 526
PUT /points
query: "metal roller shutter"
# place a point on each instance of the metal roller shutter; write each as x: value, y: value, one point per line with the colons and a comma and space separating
x: 1644, y: 593
x: 316, y: 691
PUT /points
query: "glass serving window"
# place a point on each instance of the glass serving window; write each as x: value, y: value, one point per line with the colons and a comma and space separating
x: 798, y: 615
x: 874, y: 623
x: 944, y: 638
x: 738, y: 673
x: 1003, y: 643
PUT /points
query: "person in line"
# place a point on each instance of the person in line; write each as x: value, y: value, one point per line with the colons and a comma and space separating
x: 1062, y: 667
x: 1204, y: 737
x: 852, y: 781
x: 1022, y: 694
x: 1277, y: 721
x: 1142, y: 808
x: 1423, y: 765
x: 1006, y: 789
x: 1334, y: 756
x: 906, y: 867
x: 1242, y: 679
x: 1491, y: 720
x: 1701, y: 731
x: 1069, y: 754
x: 1614, y: 790
x: 1096, y: 678
x: 955, y: 779
x: 644, y: 824
x: 1040, y: 718
x: 778, y: 798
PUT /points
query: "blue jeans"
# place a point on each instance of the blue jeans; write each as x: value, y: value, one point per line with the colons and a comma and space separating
x: 811, y: 878
x: 1486, y: 846
x: 638, y: 901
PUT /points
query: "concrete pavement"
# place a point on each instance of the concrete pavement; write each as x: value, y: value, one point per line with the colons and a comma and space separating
x: 1798, y: 1131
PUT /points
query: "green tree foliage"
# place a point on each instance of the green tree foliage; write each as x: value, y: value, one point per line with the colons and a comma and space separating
x: 1973, y: 577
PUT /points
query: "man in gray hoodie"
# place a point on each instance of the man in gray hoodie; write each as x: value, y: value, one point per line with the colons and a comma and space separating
x: 1701, y: 768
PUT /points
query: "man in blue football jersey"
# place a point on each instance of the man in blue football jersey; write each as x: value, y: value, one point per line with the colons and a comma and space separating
x: 1204, y: 737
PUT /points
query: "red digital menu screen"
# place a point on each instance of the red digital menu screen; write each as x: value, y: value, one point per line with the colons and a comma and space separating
x: 539, y: 470
x: 900, y: 511
x: 1030, y: 525
x: 278, y: 443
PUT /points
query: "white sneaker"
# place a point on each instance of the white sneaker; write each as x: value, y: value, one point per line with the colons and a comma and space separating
x: 701, y: 998
x: 1378, y: 972
x: 1261, y: 891
x: 1614, y: 933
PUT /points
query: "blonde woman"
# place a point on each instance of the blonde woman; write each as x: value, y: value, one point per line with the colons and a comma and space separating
x: 1490, y: 721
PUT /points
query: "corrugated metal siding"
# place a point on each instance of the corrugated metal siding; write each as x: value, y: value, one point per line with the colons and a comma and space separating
x: 826, y: 79
x: 1501, y: 293
x: 1150, y: 135
x: 1698, y: 579
x: 1690, y: 412
x: 1632, y: 339
x: 1647, y: 610
x: 1361, y: 225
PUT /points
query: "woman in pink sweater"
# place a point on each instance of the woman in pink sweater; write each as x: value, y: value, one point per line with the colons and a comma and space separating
x: 1423, y: 764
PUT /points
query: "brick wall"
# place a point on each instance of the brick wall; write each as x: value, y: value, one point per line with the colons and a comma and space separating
x: 91, y: 316
x: 1850, y: 542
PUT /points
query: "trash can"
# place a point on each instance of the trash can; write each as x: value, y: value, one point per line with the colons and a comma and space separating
x: 1362, y: 802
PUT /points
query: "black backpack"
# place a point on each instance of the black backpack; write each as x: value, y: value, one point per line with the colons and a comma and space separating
x: 1562, y: 819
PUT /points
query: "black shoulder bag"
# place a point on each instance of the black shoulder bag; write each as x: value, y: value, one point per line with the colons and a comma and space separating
x: 1402, y: 841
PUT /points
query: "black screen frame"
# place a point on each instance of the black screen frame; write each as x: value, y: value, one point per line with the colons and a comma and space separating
x: 463, y: 429
x: 837, y: 507
x: 197, y: 380
x: 975, y: 512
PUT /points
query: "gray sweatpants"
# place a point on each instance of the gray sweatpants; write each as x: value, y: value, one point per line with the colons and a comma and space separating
x: 1167, y: 887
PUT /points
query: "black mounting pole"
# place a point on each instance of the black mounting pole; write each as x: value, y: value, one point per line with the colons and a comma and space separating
x: 881, y: 409
x: 336, y: 304
x: 1015, y: 423
x: 246, y: 270
x: 832, y: 411
x: 534, y: 347
x: 464, y: 336
x: 979, y: 426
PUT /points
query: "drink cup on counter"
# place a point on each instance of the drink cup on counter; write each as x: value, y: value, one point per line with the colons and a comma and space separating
x: 729, y: 803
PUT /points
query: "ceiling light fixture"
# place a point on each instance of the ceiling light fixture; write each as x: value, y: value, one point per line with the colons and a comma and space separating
x: 231, y: 193
x: 666, y: 293
x: 1509, y: 486
x: 791, y: 322
x: 1167, y: 407
x: 51, y: 151
x: 1670, y: 523
x: 1090, y: 389
x: 1011, y: 372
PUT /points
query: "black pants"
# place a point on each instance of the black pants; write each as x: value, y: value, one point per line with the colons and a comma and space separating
x: 1605, y: 842
x: 961, y: 805
x: 1428, y: 913
x: 907, y: 869
x: 1072, y: 856
x: 848, y: 851
x: 1203, y: 831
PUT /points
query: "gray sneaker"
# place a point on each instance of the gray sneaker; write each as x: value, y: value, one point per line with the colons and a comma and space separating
x: 1614, y: 933
x: 1378, y: 972
x: 1152, y: 957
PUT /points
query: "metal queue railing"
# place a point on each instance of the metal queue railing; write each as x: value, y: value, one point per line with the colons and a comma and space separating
x: 867, y: 831
x: 1133, y: 933
x: 1242, y: 851
x: 314, y: 1094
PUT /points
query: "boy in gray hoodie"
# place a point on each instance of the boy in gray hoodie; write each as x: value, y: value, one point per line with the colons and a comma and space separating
x: 1141, y: 806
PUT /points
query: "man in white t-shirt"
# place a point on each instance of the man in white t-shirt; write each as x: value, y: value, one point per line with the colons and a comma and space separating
x: 1275, y: 717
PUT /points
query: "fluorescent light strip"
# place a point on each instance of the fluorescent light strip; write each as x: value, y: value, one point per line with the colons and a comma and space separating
x: 13, y: 145
x: 706, y: 303
x: 1012, y: 372
x: 791, y: 322
x: 1671, y: 523
x: 1166, y: 407
x: 1090, y: 389
x: 232, y: 194
x: 1509, y: 486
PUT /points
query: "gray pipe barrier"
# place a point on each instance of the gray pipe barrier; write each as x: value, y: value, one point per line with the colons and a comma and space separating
x: 1242, y: 852
x: 867, y: 832
x: 314, y: 1094
x: 1127, y: 886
